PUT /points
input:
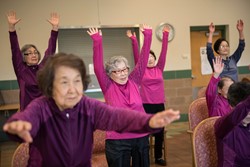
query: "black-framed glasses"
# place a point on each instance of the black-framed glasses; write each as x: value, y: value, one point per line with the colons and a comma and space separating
x: 118, y: 72
x: 31, y: 53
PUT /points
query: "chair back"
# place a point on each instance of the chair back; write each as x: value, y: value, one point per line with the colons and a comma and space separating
x: 204, y: 144
x: 21, y: 156
x: 98, y: 154
x: 202, y: 92
x: 198, y: 111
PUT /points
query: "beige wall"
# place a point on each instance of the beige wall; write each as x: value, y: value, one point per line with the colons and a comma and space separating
x: 182, y: 14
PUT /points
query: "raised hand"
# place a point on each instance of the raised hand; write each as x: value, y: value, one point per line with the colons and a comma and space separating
x: 54, y: 21
x: 161, y: 119
x: 211, y: 28
x: 20, y: 128
x: 130, y: 34
x: 12, y: 20
x: 240, y: 25
x: 94, y: 30
x: 144, y: 27
x: 166, y: 29
x: 218, y: 66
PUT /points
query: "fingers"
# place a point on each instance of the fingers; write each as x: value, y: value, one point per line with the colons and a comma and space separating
x: 20, y: 128
x: 93, y: 30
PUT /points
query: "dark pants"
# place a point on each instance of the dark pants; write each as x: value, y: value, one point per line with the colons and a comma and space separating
x: 152, y: 109
x: 120, y: 152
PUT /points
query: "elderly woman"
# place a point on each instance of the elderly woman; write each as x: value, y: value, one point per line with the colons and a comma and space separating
x: 121, y: 89
x: 25, y: 60
x: 60, y: 125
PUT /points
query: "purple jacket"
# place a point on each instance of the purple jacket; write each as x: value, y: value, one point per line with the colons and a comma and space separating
x: 127, y: 95
x: 26, y: 75
x: 233, y: 139
x: 65, y: 138
x: 217, y: 104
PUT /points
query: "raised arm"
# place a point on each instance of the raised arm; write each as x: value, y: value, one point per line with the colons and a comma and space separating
x: 211, y: 32
x: 141, y: 65
x: 135, y: 45
x: 17, y: 58
x: 210, y: 52
x: 164, y: 48
x: 211, y: 91
x: 102, y: 77
x: 54, y: 21
x: 240, y: 27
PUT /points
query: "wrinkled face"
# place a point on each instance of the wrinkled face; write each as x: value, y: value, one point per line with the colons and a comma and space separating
x: 225, y: 88
x: 67, y: 87
x: 120, y: 75
x: 224, y: 48
x: 31, y: 56
x: 151, y: 61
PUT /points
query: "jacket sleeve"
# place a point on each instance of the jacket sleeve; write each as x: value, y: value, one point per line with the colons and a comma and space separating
x: 227, y: 123
x: 164, y: 48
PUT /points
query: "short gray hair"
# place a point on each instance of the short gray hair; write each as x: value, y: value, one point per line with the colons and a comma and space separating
x: 26, y: 47
x: 112, y: 63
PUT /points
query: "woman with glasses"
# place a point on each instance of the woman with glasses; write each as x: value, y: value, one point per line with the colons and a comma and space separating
x: 221, y: 47
x: 26, y: 60
x: 152, y: 87
x: 121, y: 89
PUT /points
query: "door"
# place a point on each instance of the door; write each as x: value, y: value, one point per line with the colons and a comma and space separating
x: 198, y: 40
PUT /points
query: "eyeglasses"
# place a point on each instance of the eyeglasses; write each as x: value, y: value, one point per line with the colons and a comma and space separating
x: 222, y: 46
x: 118, y: 72
x: 30, y: 54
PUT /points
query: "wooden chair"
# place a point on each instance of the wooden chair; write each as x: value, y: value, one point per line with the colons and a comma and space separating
x: 98, y: 155
x: 164, y: 146
x: 198, y: 111
x: 204, y: 144
x: 21, y: 156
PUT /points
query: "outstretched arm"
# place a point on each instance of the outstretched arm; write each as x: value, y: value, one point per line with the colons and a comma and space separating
x: 12, y: 20
x: 135, y: 45
x: 161, y: 119
x: 240, y: 27
x: 19, y: 128
x: 54, y: 21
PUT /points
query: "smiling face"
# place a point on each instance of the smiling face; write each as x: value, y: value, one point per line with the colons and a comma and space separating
x: 120, y: 74
x: 224, y: 48
x: 151, y: 61
x: 67, y: 87
x: 31, y: 56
